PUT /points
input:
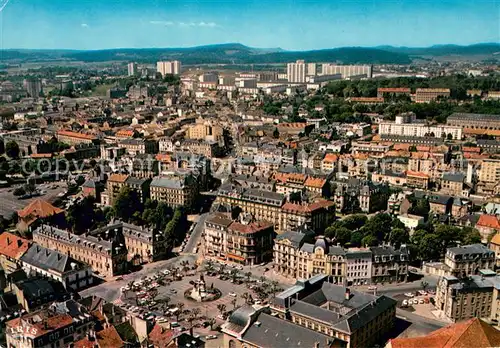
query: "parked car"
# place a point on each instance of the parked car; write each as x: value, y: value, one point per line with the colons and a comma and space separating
x: 232, y: 294
x: 210, y: 337
x: 405, y: 303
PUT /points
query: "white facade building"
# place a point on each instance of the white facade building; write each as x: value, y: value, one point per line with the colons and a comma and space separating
x: 296, y: 72
x: 170, y: 67
x: 346, y: 70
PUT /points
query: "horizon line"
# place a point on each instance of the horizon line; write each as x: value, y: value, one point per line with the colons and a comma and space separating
x: 381, y: 47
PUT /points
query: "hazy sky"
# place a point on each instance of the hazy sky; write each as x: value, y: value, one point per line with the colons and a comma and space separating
x: 290, y: 24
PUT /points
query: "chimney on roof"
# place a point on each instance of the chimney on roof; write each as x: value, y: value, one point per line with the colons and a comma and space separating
x: 8, y: 241
x: 19, y: 243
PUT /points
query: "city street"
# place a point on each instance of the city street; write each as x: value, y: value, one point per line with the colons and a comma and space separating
x: 110, y: 290
x: 196, y: 234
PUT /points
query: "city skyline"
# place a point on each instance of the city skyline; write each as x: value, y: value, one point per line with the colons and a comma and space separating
x: 290, y: 25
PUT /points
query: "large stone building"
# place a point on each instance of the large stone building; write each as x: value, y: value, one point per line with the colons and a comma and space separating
x: 298, y: 254
x: 272, y: 207
x: 106, y: 258
x: 389, y: 265
x: 426, y: 95
x: 467, y: 260
x: 44, y: 262
x: 489, y: 171
x: 474, y: 121
x: 332, y: 315
x: 246, y: 242
x: 176, y: 190
x: 407, y: 125
x: 469, y: 297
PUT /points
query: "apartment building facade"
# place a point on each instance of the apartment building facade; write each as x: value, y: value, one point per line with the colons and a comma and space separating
x: 106, y: 258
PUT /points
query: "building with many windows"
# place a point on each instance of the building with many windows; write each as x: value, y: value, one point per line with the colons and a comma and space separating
x: 426, y: 95
x: 106, y: 258
x: 244, y: 241
x: 469, y: 297
x: 467, y: 260
x: 59, y: 325
x: 176, y: 190
x: 169, y: 67
x: 347, y: 71
x: 389, y: 265
x: 313, y: 313
x: 296, y: 72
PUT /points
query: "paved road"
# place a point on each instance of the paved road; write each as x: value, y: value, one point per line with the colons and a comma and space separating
x: 110, y: 290
x: 196, y: 234
x: 421, y: 322
x: 10, y: 203
x: 401, y: 288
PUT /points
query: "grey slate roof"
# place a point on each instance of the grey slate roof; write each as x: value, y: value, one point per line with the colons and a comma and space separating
x: 359, y: 308
x: 470, y: 249
x: 296, y: 238
x: 48, y: 259
x: 454, y: 177
x: 274, y: 332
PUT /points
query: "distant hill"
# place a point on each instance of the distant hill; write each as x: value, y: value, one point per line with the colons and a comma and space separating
x: 447, y: 50
x: 235, y: 53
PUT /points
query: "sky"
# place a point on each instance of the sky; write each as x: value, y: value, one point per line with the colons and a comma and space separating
x: 289, y: 24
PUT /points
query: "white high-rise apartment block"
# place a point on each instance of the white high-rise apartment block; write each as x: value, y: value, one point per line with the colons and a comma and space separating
x: 169, y: 68
x: 311, y: 69
x: 346, y: 70
x: 296, y: 72
x: 132, y: 69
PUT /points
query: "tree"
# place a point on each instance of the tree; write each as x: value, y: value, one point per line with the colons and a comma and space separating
x: 369, y: 241
x: 470, y: 236
x: 127, y: 203
x: 211, y: 322
x: 421, y: 207
x: 398, y: 236
x: 12, y: 149
x: 81, y: 215
x: 354, y: 222
x: 356, y: 238
x: 222, y: 309
x: 248, y: 275
x: 424, y: 285
x: 2, y: 147
x: 196, y: 312
x: 233, y: 302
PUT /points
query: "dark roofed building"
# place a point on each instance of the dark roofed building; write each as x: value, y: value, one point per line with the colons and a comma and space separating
x: 314, y: 312
x: 35, y: 292
x: 74, y: 275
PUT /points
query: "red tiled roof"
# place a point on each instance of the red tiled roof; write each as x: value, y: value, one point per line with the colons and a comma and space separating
x: 251, y: 227
x: 12, y: 245
x: 46, y: 324
x: 331, y: 157
x: 417, y: 174
x: 366, y: 99
x: 39, y: 209
x: 75, y: 135
x: 307, y: 208
x: 490, y: 221
x: 118, y: 177
x: 471, y: 333
x: 160, y: 336
x: 109, y: 337
x: 315, y: 182
x: 471, y: 149
x: 127, y: 133
x: 394, y: 90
